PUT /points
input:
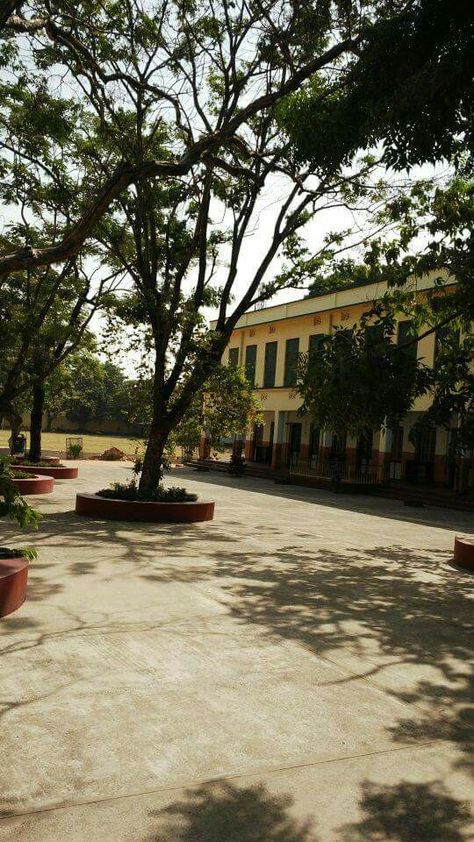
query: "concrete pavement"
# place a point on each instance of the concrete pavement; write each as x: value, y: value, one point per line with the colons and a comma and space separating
x: 297, y: 670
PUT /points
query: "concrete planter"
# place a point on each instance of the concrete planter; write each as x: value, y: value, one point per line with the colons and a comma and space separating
x: 35, y: 484
x: 56, y: 471
x: 464, y: 552
x: 13, y: 576
x: 91, y: 505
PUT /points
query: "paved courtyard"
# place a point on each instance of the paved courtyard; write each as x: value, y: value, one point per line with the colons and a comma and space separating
x: 296, y: 670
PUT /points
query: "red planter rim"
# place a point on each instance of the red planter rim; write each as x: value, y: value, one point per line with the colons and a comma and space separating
x: 92, y: 505
x: 13, y: 577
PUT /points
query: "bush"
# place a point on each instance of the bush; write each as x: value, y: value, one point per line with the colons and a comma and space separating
x: 42, y: 463
x: 129, y: 491
x: 22, y: 552
x: 20, y: 474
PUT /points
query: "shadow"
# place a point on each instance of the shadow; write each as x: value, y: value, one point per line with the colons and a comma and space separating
x: 370, y: 504
x: 399, y: 617
x: 222, y: 812
x: 408, y: 812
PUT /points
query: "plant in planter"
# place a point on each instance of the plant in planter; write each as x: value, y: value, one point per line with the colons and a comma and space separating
x: 14, y: 507
x: 75, y: 451
x: 131, y: 491
x: 128, y: 501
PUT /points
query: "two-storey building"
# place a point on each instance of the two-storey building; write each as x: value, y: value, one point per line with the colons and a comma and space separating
x: 267, y: 343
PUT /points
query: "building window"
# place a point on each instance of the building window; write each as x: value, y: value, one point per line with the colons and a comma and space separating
x: 445, y: 336
x: 315, y: 342
x: 396, y: 451
x: 250, y: 363
x: 291, y: 361
x: 270, y: 364
x: 405, y: 335
x: 425, y: 445
x: 233, y: 357
x: 338, y: 445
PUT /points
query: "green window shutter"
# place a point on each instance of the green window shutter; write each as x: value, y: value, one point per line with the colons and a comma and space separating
x: 405, y: 335
x: 291, y: 361
x: 270, y: 364
x: 233, y: 357
x: 314, y: 344
x: 250, y: 363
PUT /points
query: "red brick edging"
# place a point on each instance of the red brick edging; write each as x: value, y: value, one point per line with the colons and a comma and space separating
x: 56, y: 471
x: 91, y: 505
x: 464, y: 552
x: 36, y: 484
x: 13, y: 576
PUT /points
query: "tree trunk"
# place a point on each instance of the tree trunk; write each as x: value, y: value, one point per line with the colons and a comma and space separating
x: 36, y: 422
x: 49, y: 421
x: 152, y: 472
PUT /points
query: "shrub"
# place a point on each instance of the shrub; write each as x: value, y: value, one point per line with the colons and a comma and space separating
x: 129, y: 491
x: 20, y: 474
x: 14, y: 552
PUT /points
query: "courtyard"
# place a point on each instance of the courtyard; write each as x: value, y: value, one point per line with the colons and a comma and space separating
x: 296, y: 670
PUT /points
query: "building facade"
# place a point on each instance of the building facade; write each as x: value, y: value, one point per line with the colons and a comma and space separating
x: 267, y: 343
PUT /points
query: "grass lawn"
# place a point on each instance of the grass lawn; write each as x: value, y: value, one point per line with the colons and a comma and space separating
x: 92, y: 443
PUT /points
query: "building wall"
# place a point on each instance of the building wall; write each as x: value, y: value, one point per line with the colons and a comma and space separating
x: 320, y: 315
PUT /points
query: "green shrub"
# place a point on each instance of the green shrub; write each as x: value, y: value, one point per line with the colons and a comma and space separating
x: 15, y: 552
x: 129, y: 491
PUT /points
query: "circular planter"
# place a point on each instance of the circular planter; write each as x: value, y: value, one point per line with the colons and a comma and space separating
x: 92, y: 505
x: 35, y: 484
x: 53, y: 460
x: 13, y: 576
x: 464, y: 552
x: 56, y: 471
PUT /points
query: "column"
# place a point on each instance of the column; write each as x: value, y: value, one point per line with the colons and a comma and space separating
x: 280, y: 438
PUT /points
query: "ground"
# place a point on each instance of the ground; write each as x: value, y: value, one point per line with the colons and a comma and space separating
x: 296, y: 670
x: 92, y: 443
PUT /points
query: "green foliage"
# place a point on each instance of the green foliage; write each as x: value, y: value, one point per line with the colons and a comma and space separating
x: 359, y: 379
x: 12, y: 504
x: 23, y: 552
x: 226, y: 403
x: 130, y: 491
x: 74, y: 451
x: 410, y: 87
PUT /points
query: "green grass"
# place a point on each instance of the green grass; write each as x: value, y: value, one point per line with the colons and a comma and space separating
x: 92, y: 444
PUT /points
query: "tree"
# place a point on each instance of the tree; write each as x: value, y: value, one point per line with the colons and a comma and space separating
x: 358, y: 379
x: 410, y: 89
x: 226, y: 404
x: 337, y: 384
x: 98, y: 391
x: 182, y: 104
x: 401, y: 64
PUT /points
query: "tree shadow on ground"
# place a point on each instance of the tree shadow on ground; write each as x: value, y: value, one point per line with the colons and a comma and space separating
x: 381, y: 608
x: 222, y: 812
x: 369, y: 504
x: 408, y: 812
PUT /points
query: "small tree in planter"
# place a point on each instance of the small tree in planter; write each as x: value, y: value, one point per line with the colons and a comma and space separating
x: 14, y: 507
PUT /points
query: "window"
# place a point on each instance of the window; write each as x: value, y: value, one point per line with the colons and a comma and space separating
x: 445, y: 336
x: 233, y: 357
x: 396, y: 451
x: 270, y: 364
x: 314, y: 344
x: 405, y: 335
x: 425, y: 444
x: 291, y: 361
x: 338, y: 445
x: 250, y: 363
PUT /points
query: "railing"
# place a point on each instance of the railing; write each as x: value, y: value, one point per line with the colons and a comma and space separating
x: 337, y: 470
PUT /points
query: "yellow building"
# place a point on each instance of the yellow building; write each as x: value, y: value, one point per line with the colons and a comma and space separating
x: 267, y: 342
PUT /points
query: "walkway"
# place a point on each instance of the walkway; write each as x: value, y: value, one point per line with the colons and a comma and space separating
x: 295, y: 671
